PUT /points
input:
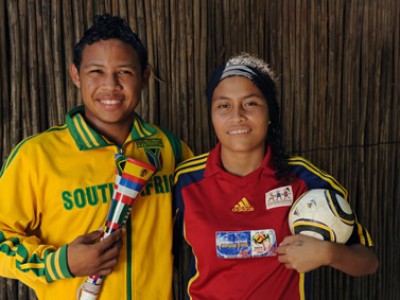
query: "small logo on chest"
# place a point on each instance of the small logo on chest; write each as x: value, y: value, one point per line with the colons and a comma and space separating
x: 243, y: 206
x: 280, y: 197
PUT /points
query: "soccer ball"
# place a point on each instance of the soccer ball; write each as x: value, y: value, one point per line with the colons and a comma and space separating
x: 323, y: 214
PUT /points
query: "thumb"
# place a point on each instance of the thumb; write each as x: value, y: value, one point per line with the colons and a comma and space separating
x: 92, y: 237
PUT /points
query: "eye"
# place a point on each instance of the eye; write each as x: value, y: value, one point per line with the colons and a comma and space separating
x: 254, y: 102
x: 123, y: 72
x: 96, y: 71
x: 251, y: 103
x: 222, y: 106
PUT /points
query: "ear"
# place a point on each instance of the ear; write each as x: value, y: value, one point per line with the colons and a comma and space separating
x: 74, y: 73
x: 146, y: 76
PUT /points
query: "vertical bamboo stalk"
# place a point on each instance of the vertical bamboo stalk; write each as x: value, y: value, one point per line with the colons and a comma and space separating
x: 183, y: 73
x: 48, y: 62
x: 15, y: 73
x: 26, y: 121
x: 32, y: 64
x: 162, y: 64
x: 59, y: 66
x: 4, y: 87
x: 71, y: 94
x: 206, y: 136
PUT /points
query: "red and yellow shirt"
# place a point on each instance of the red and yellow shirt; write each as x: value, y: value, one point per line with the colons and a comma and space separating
x: 218, y: 216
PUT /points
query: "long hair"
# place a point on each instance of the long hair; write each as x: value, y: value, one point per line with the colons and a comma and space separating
x: 263, y: 77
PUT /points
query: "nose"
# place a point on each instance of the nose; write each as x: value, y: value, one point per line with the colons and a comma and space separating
x: 238, y: 114
x: 111, y: 81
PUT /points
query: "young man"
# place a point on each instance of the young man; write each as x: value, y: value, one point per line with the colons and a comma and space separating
x: 224, y: 201
x: 56, y: 186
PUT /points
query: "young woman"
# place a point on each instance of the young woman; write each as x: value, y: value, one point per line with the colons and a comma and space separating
x: 243, y: 190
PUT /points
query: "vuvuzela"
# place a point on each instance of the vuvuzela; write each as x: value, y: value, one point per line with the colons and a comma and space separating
x: 130, y: 178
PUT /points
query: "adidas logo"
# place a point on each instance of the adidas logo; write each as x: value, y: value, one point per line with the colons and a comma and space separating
x: 243, y: 206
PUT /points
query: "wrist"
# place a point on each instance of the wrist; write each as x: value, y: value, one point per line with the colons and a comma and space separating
x: 56, y: 265
x: 330, y: 250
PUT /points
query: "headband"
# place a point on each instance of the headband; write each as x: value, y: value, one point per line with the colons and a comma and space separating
x: 263, y: 82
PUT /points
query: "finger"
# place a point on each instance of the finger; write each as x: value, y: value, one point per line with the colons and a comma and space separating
x: 109, y: 261
x: 92, y: 237
x: 110, y: 240
x: 281, y: 249
x: 288, y: 240
x: 106, y: 270
x: 110, y: 253
x: 290, y: 267
x: 282, y: 259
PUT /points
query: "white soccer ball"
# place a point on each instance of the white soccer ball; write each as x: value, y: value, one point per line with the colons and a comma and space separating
x: 323, y: 214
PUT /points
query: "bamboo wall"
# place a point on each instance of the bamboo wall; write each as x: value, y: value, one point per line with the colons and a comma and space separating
x: 339, y: 81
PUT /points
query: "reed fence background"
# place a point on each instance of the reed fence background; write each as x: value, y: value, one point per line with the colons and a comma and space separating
x: 339, y: 81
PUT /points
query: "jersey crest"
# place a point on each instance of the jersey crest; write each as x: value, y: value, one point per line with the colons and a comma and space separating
x: 154, y: 156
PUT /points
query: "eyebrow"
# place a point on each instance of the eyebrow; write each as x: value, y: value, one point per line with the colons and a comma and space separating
x: 253, y: 95
x: 127, y: 65
x: 222, y: 97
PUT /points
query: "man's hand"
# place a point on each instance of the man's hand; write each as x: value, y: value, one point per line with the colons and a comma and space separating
x: 87, y: 256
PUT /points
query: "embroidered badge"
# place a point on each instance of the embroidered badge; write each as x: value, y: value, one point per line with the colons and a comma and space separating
x: 245, y: 244
x: 279, y: 197
x: 243, y: 206
x: 149, y: 143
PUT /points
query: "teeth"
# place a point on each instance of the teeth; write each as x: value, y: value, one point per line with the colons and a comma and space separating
x: 239, y: 131
x: 110, y: 102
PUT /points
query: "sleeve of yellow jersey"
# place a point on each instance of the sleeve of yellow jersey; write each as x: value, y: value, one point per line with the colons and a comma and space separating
x: 186, y: 152
x: 22, y: 256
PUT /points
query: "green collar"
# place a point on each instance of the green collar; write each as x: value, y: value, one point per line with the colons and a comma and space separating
x: 86, y: 138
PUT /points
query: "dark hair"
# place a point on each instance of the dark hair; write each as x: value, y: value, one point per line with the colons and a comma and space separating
x: 263, y: 77
x: 107, y: 27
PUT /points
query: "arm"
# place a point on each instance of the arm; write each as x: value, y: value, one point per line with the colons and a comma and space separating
x: 24, y: 253
x: 303, y: 253
x: 25, y: 259
x: 356, y: 258
x: 23, y: 256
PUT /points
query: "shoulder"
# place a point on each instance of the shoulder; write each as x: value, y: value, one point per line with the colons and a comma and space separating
x: 33, y: 145
x: 313, y: 176
x: 300, y: 164
x: 172, y: 138
x: 40, y: 139
x: 191, y: 167
x: 180, y: 149
x: 298, y: 160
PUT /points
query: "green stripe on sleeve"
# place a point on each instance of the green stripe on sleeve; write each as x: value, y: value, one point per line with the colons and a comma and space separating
x: 57, y: 266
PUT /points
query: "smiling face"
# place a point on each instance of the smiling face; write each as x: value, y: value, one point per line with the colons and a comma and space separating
x: 110, y: 81
x: 240, y: 116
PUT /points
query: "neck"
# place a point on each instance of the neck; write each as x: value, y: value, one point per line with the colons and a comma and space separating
x: 116, y: 133
x: 241, y: 163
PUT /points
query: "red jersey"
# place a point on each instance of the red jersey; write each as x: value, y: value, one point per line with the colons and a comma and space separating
x: 234, y: 224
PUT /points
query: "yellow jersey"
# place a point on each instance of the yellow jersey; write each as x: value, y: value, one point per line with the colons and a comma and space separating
x: 57, y: 185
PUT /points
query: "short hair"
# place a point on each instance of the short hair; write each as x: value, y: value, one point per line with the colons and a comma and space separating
x: 266, y: 82
x: 107, y: 27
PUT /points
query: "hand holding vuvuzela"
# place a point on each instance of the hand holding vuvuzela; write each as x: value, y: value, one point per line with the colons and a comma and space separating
x: 131, y: 177
x: 86, y: 255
